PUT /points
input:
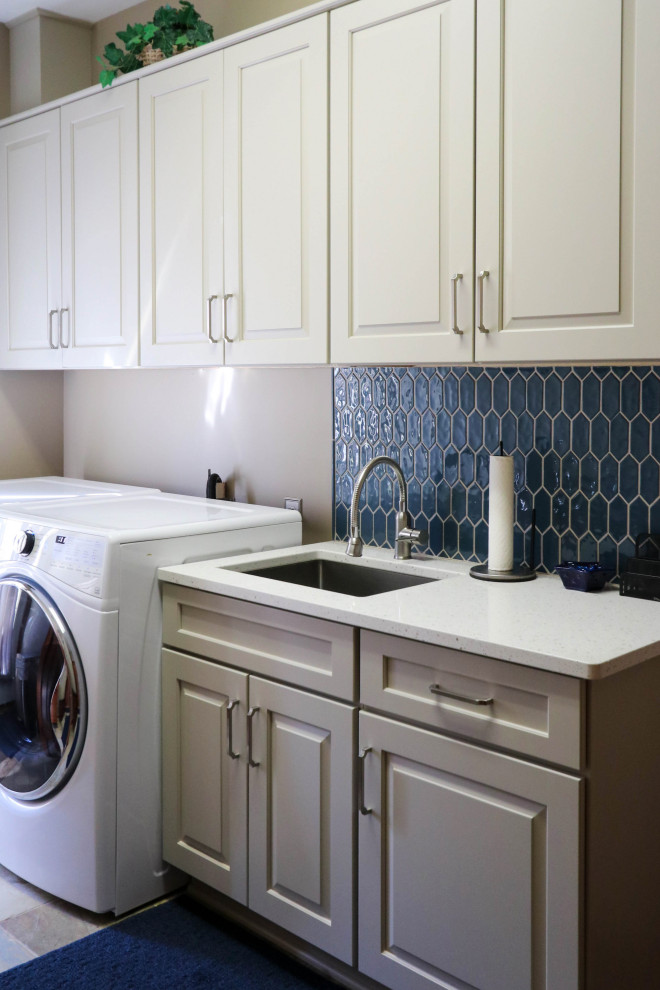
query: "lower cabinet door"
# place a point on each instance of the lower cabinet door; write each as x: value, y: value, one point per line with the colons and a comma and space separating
x: 469, y: 865
x: 205, y: 772
x: 301, y: 814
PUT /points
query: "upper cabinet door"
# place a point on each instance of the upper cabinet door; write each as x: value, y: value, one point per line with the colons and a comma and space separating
x: 180, y: 119
x: 276, y: 196
x: 100, y: 230
x: 30, y: 242
x: 568, y: 152
x: 402, y: 167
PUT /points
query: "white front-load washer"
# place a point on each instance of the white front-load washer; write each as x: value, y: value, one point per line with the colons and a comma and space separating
x: 80, y: 641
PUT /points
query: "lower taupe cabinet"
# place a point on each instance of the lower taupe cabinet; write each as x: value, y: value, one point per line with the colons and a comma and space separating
x: 469, y: 864
x: 477, y: 824
x: 261, y: 773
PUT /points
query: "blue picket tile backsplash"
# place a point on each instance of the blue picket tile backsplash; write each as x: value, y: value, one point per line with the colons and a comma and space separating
x: 585, y: 442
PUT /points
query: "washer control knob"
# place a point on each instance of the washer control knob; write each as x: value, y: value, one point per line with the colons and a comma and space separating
x: 25, y: 542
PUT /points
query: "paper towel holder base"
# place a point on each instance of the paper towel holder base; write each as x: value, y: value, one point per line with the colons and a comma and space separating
x: 520, y: 573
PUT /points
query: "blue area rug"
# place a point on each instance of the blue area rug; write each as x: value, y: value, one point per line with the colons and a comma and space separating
x: 174, y: 945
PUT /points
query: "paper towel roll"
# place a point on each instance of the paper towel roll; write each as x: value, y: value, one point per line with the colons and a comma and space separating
x: 500, y: 513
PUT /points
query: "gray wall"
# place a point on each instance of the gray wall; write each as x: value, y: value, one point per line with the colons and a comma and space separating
x: 35, y: 75
x: 31, y: 437
x: 267, y: 431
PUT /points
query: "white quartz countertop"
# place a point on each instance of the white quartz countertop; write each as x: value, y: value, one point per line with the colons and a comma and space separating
x: 536, y: 623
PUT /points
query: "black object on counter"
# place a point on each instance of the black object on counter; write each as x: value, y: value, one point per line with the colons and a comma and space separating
x: 641, y: 578
x: 532, y: 541
x: 212, y: 482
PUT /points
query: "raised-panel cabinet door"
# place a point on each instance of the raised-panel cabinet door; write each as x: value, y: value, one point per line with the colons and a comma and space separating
x: 402, y: 167
x: 205, y: 772
x: 100, y: 230
x: 567, y: 206
x: 181, y: 265
x: 276, y: 196
x: 301, y: 814
x: 469, y: 865
x: 30, y: 300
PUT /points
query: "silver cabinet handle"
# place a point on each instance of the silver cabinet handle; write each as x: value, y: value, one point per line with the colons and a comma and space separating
x: 209, y: 328
x: 68, y: 327
x: 362, y: 756
x: 230, y: 731
x: 481, y: 276
x: 250, y: 715
x: 51, y: 314
x: 454, y: 284
x: 228, y: 339
x: 436, y: 689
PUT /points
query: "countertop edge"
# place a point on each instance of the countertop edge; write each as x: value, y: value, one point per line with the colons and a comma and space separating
x: 214, y: 577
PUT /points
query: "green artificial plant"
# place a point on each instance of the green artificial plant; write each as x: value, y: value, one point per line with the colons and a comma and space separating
x: 172, y: 30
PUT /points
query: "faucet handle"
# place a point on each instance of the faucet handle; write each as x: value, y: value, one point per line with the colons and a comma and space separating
x: 414, y: 535
x: 405, y: 538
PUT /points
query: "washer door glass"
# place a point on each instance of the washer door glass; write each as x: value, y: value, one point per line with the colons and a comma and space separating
x: 42, y: 693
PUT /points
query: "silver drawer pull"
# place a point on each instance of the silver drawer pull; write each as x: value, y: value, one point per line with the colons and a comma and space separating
x: 230, y: 730
x: 68, y: 327
x: 225, y: 335
x: 481, y: 276
x: 454, y: 303
x: 436, y: 689
x: 51, y: 314
x: 209, y: 320
x: 250, y: 715
x: 361, y: 756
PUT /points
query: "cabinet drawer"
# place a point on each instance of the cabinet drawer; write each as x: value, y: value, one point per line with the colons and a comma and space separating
x: 300, y: 650
x: 534, y: 712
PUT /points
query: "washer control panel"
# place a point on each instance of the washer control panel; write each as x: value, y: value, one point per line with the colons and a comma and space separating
x: 76, y: 559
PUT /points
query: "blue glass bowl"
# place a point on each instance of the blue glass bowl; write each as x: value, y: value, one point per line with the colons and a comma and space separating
x: 584, y: 576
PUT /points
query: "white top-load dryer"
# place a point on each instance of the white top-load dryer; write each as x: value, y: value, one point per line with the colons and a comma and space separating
x: 80, y: 642
x: 22, y: 490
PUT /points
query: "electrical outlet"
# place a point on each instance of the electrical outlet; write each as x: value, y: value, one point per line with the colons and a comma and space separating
x: 293, y: 503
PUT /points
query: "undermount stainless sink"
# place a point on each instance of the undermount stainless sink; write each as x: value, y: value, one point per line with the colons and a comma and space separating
x: 341, y: 576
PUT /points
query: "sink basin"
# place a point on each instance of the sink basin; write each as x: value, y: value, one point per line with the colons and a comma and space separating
x: 341, y: 576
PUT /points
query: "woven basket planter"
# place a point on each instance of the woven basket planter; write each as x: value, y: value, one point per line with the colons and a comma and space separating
x: 149, y: 55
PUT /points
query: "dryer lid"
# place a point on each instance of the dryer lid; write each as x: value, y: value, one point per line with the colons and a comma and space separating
x: 150, y: 517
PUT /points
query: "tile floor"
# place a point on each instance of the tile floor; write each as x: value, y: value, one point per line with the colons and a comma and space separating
x: 33, y: 922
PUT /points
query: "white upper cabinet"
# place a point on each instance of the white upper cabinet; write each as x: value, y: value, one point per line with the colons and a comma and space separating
x: 276, y: 197
x: 181, y: 265
x: 244, y: 280
x: 492, y: 195
x: 402, y: 168
x: 567, y: 205
x: 30, y: 258
x: 68, y: 215
x: 99, y: 301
